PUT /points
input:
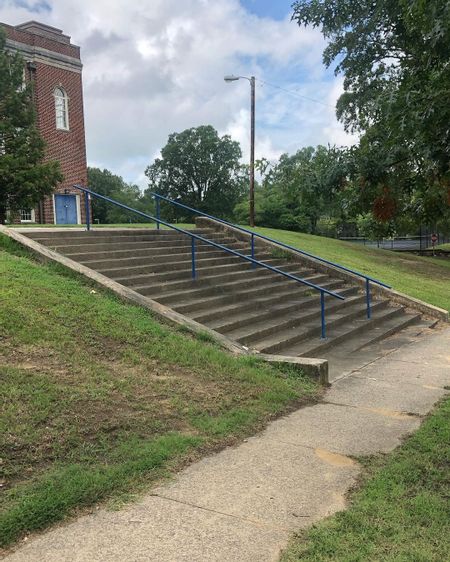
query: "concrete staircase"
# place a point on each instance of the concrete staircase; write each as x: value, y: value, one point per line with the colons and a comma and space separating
x: 257, y: 308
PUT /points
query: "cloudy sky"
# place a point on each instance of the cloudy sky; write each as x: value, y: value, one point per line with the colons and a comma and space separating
x: 152, y: 67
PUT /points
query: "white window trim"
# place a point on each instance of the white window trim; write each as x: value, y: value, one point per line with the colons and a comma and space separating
x: 66, y: 108
x: 33, y: 217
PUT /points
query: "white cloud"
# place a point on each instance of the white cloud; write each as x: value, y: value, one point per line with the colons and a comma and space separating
x: 335, y: 130
x: 156, y: 66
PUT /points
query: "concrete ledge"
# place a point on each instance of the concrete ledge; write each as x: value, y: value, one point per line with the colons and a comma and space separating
x: 315, y: 368
x: 311, y: 367
x: 376, y: 290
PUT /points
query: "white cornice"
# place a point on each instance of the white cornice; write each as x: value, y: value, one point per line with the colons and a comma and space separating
x: 39, y: 54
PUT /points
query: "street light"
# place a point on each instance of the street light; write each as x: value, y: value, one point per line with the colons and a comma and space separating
x: 231, y: 78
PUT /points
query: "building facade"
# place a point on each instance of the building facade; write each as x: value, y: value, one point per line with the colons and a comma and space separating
x: 53, y: 65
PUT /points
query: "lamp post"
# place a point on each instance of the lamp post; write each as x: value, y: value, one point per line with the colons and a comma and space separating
x: 232, y: 78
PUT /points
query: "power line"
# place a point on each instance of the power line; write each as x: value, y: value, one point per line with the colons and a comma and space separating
x: 294, y: 93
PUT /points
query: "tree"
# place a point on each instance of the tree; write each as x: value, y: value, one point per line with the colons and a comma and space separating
x: 303, y: 188
x: 200, y: 169
x: 106, y: 183
x: 24, y: 177
x: 395, y: 57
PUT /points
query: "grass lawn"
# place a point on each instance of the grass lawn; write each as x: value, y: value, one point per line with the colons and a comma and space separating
x: 401, y: 511
x: 100, y: 399
x: 425, y: 278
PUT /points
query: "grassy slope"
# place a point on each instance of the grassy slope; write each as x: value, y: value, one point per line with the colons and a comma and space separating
x: 424, y: 278
x: 99, y: 398
x: 401, y: 511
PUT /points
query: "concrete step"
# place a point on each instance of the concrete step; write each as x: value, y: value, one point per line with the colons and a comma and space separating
x: 179, y: 249
x: 105, y: 246
x: 140, y: 266
x: 87, y: 240
x: 389, y: 327
x: 234, y: 316
x: 199, y: 289
x: 285, y: 340
x: 73, y: 232
x: 388, y: 322
x: 285, y: 291
x: 210, y: 281
x: 203, y: 272
x: 263, y: 329
x: 162, y: 263
x: 101, y: 232
x: 143, y: 275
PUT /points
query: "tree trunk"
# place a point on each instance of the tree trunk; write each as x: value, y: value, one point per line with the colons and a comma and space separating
x: 2, y: 214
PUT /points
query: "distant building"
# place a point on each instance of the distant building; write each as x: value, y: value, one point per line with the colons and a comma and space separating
x: 53, y: 64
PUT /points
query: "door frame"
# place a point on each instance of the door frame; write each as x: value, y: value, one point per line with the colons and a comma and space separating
x: 78, y: 206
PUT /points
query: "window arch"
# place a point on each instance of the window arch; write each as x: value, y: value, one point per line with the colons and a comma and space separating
x: 61, y: 109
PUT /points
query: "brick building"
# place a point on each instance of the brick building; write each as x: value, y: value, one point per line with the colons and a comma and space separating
x: 53, y: 64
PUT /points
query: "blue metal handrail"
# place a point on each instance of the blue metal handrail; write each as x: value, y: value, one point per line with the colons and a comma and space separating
x: 367, y: 278
x: 195, y: 237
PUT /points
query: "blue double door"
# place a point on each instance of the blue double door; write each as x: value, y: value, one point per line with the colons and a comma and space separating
x: 66, y: 209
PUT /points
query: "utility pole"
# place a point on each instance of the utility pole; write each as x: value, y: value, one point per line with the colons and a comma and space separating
x: 252, y: 152
x: 252, y: 80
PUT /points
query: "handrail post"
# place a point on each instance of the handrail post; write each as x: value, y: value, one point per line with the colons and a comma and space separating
x: 322, y: 315
x: 253, y: 250
x: 158, y: 211
x: 86, y: 208
x: 194, y: 273
x: 369, y: 312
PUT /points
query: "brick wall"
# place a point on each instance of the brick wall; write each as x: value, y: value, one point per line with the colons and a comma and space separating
x: 67, y: 147
x: 59, y: 44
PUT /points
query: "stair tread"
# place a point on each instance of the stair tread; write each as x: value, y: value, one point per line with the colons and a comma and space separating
x: 218, y: 274
x: 374, y: 334
x: 283, y: 322
x: 292, y: 335
x: 223, y: 315
x: 200, y: 259
x: 335, y: 334
x: 171, y: 250
x: 288, y: 283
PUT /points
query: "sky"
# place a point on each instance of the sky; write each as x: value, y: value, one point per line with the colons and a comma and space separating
x: 155, y: 67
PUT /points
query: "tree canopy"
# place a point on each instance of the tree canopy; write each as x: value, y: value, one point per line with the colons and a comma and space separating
x: 302, y: 189
x: 106, y: 183
x: 395, y: 58
x: 201, y: 169
x: 24, y: 177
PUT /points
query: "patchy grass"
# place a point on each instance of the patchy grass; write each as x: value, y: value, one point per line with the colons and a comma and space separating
x: 425, y: 278
x: 401, y: 511
x: 100, y: 399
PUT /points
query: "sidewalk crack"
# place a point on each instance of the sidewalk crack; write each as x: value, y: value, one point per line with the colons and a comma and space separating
x: 231, y: 515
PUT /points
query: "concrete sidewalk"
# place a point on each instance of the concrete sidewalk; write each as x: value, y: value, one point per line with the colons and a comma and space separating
x: 244, y: 503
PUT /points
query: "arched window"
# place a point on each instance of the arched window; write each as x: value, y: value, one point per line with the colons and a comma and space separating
x: 61, y: 109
